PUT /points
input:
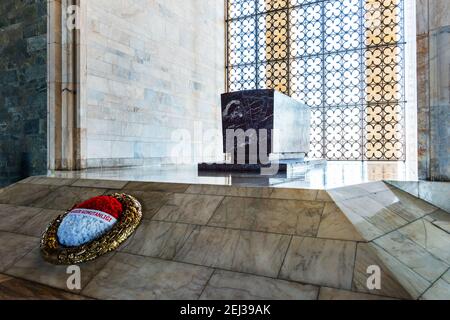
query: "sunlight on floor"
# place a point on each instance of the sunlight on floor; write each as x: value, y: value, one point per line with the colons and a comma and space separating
x: 326, y: 176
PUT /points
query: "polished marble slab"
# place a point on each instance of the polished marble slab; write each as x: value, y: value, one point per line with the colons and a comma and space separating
x: 131, y: 277
x: 433, y: 192
x: 320, y: 262
x: 414, y: 256
x: 333, y: 174
x: 18, y: 289
x: 261, y: 192
x: 153, y: 186
x: 187, y: 208
x: 107, y: 184
x: 367, y: 230
x: 323, y: 195
x: 226, y: 285
x: 277, y: 216
x: 253, y: 244
x: 429, y: 237
x: 337, y: 294
x: 236, y: 250
x: 379, y: 208
x: 158, y: 239
x: 24, y: 194
x: 440, y: 219
x: 403, y: 204
x: 294, y: 194
x: 235, y: 191
x: 368, y: 255
x: 13, y: 217
x: 411, y: 281
x: 36, y: 225
x: 370, y: 218
x: 379, y: 215
x: 151, y: 201
x: 357, y: 191
x: 446, y: 276
x: 49, y: 181
x: 14, y: 247
x: 64, y: 198
x: 32, y: 267
x: 335, y: 225
x: 411, y: 187
x: 436, y: 193
x: 439, y: 291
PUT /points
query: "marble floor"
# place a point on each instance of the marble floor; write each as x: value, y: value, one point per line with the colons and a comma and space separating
x: 327, y: 175
x: 231, y: 242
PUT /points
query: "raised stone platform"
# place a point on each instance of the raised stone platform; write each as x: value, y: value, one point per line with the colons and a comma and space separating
x: 282, y: 165
x: 227, y: 242
x: 434, y: 192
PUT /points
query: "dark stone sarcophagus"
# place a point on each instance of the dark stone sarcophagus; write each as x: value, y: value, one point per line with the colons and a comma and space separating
x: 262, y: 126
x: 286, y: 121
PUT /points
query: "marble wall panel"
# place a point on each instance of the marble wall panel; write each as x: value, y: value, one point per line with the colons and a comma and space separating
x: 154, y: 69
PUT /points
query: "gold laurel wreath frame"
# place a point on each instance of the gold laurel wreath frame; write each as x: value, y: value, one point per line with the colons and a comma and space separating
x: 52, y: 251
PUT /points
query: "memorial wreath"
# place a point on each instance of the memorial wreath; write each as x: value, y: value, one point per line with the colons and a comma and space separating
x: 91, y: 229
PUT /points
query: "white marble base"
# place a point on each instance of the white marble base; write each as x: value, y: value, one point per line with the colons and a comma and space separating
x: 436, y: 193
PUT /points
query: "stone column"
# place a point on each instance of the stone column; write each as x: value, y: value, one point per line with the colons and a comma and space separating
x: 433, y: 54
x: 66, y: 81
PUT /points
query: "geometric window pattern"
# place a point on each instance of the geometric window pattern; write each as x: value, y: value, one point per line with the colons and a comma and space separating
x: 343, y: 58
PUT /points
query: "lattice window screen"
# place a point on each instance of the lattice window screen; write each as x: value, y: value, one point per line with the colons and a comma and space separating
x: 343, y: 58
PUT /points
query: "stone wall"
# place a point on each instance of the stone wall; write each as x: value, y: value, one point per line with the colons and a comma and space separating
x: 153, y: 68
x: 23, y: 89
x: 433, y: 60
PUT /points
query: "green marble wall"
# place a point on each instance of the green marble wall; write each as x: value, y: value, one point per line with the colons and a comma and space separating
x: 23, y: 89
